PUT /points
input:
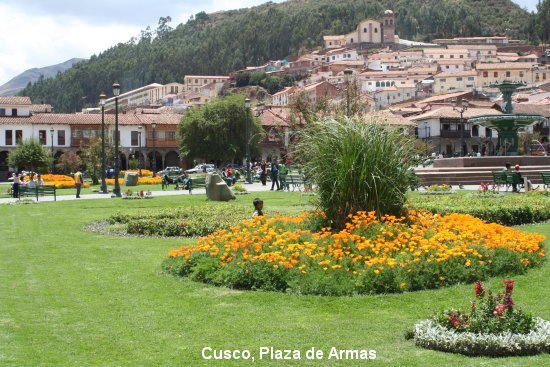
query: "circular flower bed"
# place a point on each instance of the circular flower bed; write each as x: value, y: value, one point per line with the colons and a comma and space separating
x: 493, y: 327
x: 370, y: 255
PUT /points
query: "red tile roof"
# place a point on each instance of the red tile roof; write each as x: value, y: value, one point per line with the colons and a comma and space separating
x: 93, y: 119
x: 24, y: 101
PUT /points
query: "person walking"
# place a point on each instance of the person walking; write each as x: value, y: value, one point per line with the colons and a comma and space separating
x: 275, y: 175
x: 78, y: 182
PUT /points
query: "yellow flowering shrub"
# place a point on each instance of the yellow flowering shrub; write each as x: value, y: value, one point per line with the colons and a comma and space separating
x: 370, y: 255
x: 141, y: 180
x: 60, y: 181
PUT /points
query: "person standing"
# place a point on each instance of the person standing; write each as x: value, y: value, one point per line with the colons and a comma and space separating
x: 78, y: 182
x: 263, y: 173
x: 274, y: 175
x: 16, y: 183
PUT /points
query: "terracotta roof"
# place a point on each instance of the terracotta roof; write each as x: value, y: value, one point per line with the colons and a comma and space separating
x: 505, y: 65
x: 532, y: 108
x: 286, y: 90
x: 23, y: 101
x: 93, y: 119
x: 450, y: 74
x: 275, y: 116
x: 452, y: 61
x: 473, y: 47
x: 448, y: 112
x: 445, y: 51
x: 207, y: 76
x: 41, y: 108
x: 389, y: 118
x: 442, y: 97
x: 333, y: 38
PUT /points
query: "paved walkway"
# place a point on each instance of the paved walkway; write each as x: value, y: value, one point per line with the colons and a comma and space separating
x: 254, y: 187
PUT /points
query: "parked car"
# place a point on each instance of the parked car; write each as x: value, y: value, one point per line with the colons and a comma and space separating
x: 170, y: 171
x: 200, y: 168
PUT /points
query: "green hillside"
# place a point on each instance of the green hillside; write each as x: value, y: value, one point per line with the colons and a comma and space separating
x: 225, y: 41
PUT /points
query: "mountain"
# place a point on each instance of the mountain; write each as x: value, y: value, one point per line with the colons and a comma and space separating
x: 19, y: 82
x: 218, y: 43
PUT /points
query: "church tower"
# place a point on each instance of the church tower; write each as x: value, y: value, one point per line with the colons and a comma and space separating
x: 388, y: 27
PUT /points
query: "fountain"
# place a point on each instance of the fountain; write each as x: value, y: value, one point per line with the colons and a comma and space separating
x: 507, y: 124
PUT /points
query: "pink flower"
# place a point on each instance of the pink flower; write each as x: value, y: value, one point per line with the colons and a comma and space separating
x: 499, y: 309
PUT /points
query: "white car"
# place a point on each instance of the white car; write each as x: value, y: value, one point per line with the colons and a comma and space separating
x: 200, y: 168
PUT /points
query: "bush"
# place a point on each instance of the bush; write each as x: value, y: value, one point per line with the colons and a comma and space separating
x: 493, y: 327
x: 371, y: 255
x: 504, y: 209
x: 188, y: 221
x: 357, y: 165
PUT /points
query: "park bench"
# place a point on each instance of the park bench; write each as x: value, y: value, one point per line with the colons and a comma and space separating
x: 297, y: 181
x: 197, y: 183
x: 37, y: 191
x: 545, y: 179
x: 507, y: 179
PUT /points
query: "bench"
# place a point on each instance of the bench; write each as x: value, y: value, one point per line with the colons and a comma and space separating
x: 37, y: 191
x: 545, y: 179
x: 197, y: 183
x: 507, y: 179
x: 297, y: 181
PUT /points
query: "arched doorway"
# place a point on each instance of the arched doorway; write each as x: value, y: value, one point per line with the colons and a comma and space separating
x: 158, y: 161
x: 4, y: 169
x: 172, y: 159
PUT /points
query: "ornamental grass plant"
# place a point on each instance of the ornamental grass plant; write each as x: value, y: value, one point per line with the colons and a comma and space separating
x: 357, y: 165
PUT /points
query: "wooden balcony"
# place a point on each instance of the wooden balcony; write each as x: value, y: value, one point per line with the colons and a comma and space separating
x: 455, y: 134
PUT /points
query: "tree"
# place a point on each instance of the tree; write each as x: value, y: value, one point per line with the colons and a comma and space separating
x: 217, y: 130
x: 31, y: 155
x: 91, y: 158
x: 68, y: 162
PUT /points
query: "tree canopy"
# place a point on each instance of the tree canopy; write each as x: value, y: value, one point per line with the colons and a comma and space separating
x: 30, y: 154
x: 217, y: 130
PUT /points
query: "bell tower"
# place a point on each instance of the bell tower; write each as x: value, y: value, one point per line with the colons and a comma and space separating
x: 388, y: 27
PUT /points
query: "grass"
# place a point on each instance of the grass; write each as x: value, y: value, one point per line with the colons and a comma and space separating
x: 73, y: 298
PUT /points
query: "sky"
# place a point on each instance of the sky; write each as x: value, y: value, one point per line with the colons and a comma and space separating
x: 38, y: 33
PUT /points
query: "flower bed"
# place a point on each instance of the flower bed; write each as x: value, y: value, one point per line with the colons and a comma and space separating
x: 419, y: 251
x: 188, y: 221
x: 493, y: 327
x: 508, y: 209
x: 157, y: 180
x: 60, y: 181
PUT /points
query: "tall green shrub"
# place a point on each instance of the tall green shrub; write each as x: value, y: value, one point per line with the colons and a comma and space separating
x: 357, y: 164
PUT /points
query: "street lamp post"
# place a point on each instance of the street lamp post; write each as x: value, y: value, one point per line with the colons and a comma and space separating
x: 139, y: 149
x: 426, y: 135
x: 116, y: 92
x: 154, y: 125
x: 103, y: 188
x: 53, y: 159
x: 247, y: 135
x: 463, y: 107
x: 347, y: 73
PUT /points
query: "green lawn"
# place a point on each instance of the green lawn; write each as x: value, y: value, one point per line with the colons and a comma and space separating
x: 73, y: 298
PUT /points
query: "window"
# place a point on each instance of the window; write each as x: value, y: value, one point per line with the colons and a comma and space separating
x: 447, y: 66
x: 14, y: 111
x: 408, y: 94
x: 364, y: 30
x: 452, y: 56
x: 170, y: 135
x: 334, y: 57
x: 489, y: 52
x: 507, y: 74
x: 205, y: 81
x: 196, y: 81
x: 18, y: 136
x: 470, y: 78
x: 378, y: 84
x: 475, y: 130
x: 134, y: 138
x: 42, y: 137
x: 375, y: 30
x: 443, y: 80
x: 461, y: 56
x: 9, y: 137
x: 60, y: 137
x: 495, y: 74
x: 2, y: 112
x: 459, y: 79
x: 446, y: 127
x: 440, y: 56
x: 485, y: 74
x: 488, y: 132
x: 521, y: 74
